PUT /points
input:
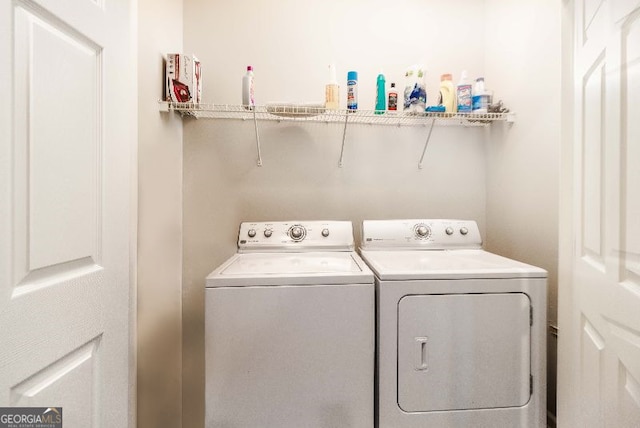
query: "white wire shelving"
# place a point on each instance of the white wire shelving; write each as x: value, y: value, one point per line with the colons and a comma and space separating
x: 318, y: 114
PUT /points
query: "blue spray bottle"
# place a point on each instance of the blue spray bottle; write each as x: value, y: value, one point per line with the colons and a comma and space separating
x: 352, y: 91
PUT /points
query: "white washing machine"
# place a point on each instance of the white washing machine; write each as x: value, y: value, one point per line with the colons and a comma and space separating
x: 289, y: 330
x: 460, y: 331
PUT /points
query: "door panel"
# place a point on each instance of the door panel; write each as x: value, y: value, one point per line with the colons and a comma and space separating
x: 66, y: 139
x: 77, y: 372
x: 630, y: 174
x: 592, y: 193
x: 62, y: 118
x: 593, y: 363
x: 600, y: 340
x: 443, y: 340
x: 57, y: 221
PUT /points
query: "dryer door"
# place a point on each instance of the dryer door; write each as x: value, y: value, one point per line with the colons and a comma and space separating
x: 463, y: 351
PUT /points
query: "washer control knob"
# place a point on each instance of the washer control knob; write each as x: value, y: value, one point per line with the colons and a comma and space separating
x: 268, y: 233
x: 297, y: 233
x: 423, y: 231
x: 251, y: 233
x: 464, y: 230
x: 325, y: 232
x: 449, y: 230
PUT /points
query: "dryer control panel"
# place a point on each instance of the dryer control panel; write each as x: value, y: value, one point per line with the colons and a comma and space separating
x: 428, y: 234
x: 283, y: 236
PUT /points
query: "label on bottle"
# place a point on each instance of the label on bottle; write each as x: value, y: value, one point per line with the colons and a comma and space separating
x: 393, y: 101
x: 331, y: 97
x: 252, y: 99
x: 352, y: 94
x: 481, y: 102
x: 464, y: 99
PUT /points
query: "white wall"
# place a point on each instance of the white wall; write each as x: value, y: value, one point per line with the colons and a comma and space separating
x: 290, y: 44
x: 523, y: 58
x: 159, y: 223
x: 513, y: 195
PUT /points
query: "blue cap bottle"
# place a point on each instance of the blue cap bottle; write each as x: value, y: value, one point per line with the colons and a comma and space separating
x: 352, y: 90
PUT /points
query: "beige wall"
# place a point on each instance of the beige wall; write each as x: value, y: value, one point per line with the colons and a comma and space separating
x: 506, y: 178
x: 523, y: 58
x: 290, y: 44
x: 159, y: 223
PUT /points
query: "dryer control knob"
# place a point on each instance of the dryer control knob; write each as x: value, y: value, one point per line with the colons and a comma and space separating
x: 449, y: 230
x: 268, y: 233
x: 464, y: 230
x: 422, y: 231
x: 251, y: 233
x: 325, y: 232
x: 297, y: 233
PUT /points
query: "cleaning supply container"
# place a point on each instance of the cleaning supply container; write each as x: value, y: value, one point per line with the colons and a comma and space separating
x: 447, y: 94
x: 352, y: 90
x: 463, y: 94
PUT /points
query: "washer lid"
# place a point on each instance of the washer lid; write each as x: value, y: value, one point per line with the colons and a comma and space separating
x: 446, y: 264
x: 306, y: 268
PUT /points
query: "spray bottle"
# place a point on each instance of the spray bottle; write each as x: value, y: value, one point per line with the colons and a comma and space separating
x: 463, y: 93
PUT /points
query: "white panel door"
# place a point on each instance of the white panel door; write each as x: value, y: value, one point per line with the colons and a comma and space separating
x: 67, y: 131
x: 599, y: 365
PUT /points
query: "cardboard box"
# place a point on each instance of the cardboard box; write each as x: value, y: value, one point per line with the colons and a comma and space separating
x: 184, y: 79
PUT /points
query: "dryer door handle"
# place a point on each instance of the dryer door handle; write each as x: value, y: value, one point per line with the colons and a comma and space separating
x: 422, y: 354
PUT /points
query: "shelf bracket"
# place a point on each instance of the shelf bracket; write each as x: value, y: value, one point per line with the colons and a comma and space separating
x: 255, y: 126
x: 344, y: 136
x: 426, y: 143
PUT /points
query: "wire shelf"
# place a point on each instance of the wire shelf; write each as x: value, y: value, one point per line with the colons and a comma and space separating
x: 317, y: 114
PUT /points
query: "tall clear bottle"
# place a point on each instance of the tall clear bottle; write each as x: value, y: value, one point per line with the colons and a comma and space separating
x: 248, y: 100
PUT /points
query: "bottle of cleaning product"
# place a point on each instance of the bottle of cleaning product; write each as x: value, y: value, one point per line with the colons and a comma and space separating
x: 352, y: 91
x: 392, y: 105
x: 480, y: 98
x: 332, y: 91
x: 248, y: 100
x: 463, y: 94
x: 381, y: 96
x: 415, y: 91
x: 447, y: 94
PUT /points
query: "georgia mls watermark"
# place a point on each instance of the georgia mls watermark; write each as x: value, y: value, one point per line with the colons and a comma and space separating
x: 30, y: 417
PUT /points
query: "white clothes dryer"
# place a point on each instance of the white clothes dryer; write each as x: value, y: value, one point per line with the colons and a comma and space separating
x: 289, y: 330
x: 460, y: 331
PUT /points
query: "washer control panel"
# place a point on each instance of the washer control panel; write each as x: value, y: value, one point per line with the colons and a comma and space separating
x: 296, y: 236
x: 420, y: 233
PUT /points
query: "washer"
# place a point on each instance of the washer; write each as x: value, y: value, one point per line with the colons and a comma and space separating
x: 289, y: 330
x: 460, y: 331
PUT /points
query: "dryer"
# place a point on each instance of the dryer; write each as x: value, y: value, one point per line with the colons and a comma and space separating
x: 460, y: 331
x: 289, y: 330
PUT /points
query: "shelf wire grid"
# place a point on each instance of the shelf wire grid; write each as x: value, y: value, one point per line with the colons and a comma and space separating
x: 317, y: 114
